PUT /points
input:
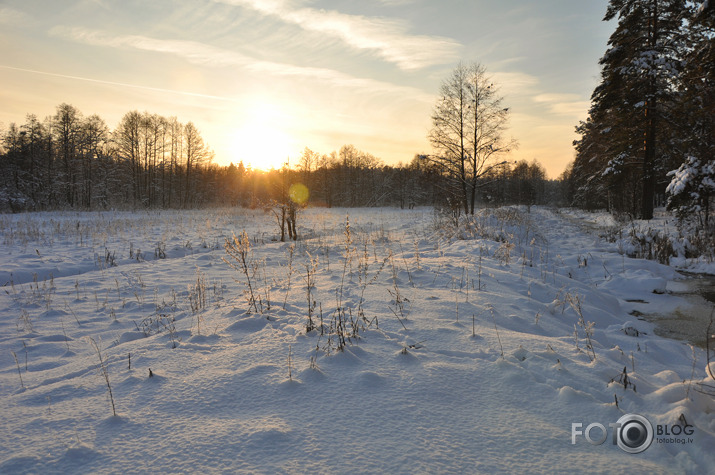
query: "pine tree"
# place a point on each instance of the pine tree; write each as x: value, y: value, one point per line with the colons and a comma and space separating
x: 692, y: 187
x: 640, y: 70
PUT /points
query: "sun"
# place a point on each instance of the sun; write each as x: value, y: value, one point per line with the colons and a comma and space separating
x: 261, y: 147
x: 262, y: 141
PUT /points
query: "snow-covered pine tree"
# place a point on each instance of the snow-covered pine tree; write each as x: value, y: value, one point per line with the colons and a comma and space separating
x: 691, y: 190
x: 692, y: 187
x: 639, y: 76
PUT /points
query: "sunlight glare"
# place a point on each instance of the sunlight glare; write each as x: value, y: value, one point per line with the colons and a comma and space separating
x: 262, y: 142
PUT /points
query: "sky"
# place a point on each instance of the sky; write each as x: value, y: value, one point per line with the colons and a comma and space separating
x: 264, y: 79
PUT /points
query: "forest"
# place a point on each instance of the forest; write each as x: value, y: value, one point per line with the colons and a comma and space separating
x: 649, y: 139
x: 69, y: 161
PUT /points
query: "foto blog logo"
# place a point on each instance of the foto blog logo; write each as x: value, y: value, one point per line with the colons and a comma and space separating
x: 633, y: 433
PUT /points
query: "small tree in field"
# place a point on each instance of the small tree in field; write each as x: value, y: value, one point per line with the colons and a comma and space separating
x: 290, y: 200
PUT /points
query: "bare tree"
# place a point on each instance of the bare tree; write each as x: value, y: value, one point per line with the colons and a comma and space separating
x: 468, y: 124
x: 195, y: 153
x: 176, y: 133
x: 96, y: 135
x: 127, y: 140
x: 307, y: 161
x: 67, y: 130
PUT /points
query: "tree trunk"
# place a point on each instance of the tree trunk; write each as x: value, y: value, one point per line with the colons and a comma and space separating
x: 649, y: 164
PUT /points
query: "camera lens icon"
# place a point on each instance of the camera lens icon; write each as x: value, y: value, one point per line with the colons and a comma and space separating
x: 634, y: 433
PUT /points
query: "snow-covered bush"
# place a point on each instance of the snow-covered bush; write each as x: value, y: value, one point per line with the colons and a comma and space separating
x: 644, y: 243
x: 662, y: 245
x: 14, y: 201
x: 506, y: 224
x: 691, y: 189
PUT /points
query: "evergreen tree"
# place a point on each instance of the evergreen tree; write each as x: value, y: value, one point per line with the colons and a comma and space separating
x: 692, y: 187
x: 630, y: 107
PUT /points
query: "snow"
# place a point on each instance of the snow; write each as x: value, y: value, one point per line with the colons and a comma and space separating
x: 473, y: 357
x: 694, y: 177
x: 683, y: 176
x: 663, y: 224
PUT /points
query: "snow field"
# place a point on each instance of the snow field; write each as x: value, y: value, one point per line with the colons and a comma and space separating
x: 477, y: 351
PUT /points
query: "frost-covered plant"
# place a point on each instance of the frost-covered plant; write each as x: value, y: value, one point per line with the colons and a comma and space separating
x: 104, y: 371
x: 397, y: 299
x: 291, y: 252
x: 407, y: 266
x: 342, y: 330
x: 348, y: 251
x: 197, y: 293
x: 311, y: 267
x: 701, y: 244
x: 290, y: 362
x: 622, y: 378
x: 110, y: 258
x: 417, y: 254
x: 159, y: 323
x: 17, y: 363
x: 160, y: 250
x: 574, y: 300
x: 266, y: 286
x: 239, y: 250
x: 503, y: 252
x: 494, y: 320
x: 363, y: 268
x: 26, y: 322
x: 480, y: 286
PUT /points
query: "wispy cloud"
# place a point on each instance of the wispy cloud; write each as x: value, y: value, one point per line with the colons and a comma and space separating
x: 514, y: 84
x: 387, y: 38
x: 392, y: 3
x: 563, y: 104
x: 10, y: 16
x: 120, y: 84
x: 192, y: 51
x: 551, y: 98
x: 207, y: 55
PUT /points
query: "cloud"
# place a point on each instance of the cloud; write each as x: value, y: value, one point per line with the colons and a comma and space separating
x: 553, y: 97
x: 10, y: 16
x: 192, y: 51
x: 578, y: 109
x: 514, y: 84
x: 115, y: 83
x: 563, y: 104
x: 391, y: 3
x: 207, y: 55
x: 387, y: 38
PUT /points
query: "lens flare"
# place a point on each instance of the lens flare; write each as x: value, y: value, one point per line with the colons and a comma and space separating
x: 298, y: 193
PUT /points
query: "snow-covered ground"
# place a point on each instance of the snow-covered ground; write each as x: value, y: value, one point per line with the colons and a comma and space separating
x: 464, y: 352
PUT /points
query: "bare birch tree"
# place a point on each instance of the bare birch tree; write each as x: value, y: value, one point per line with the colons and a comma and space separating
x: 468, y: 125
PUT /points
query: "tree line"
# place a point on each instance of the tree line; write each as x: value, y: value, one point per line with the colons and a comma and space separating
x: 649, y: 139
x: 69, y: 161
x: 72, y: 161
